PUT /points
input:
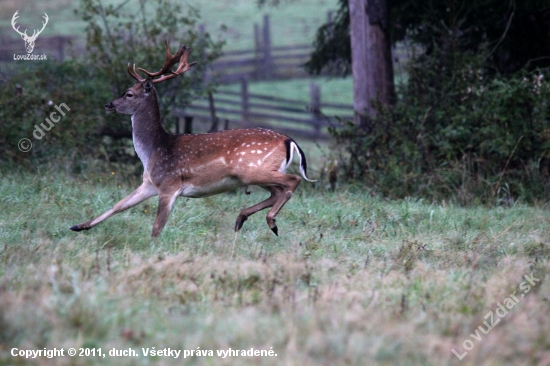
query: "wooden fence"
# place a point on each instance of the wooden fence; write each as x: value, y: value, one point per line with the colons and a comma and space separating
x: 241, y: 109
x: 262, y: 62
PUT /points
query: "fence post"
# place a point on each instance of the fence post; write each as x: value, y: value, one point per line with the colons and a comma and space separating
x: 213, y: 116
x: 268, y: 60
x: 202, y: 41
x: 188, y: 127
x: 61, y: 48
x: 257, y: 52
x: 178, y: 123
x: 315, y: 105
x: 244, y: 100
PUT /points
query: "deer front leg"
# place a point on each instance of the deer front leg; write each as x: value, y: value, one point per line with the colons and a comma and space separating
x: 143, y: 192
x: 166, y: 201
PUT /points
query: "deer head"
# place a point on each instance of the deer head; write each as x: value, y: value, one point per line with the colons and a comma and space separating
x: 136, y: 96
x: 29, y: 40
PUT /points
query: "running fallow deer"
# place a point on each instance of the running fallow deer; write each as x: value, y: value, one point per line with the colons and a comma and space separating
x: 200, y: 165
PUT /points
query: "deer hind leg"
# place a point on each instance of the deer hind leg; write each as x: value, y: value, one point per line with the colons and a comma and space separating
x: 166, y: 201
x: 288, y: 185
x: 275, y: 192
x: 144, y: 191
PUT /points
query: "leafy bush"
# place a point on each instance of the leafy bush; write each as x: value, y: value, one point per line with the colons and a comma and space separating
x: 30, y: 96
x: 463, y: 132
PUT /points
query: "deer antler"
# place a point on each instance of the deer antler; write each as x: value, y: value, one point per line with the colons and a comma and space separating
x: 35, y: 33
x: 133, y: 73
x: 170, y: 60
x: 13, y: 22
x: 45, y: 16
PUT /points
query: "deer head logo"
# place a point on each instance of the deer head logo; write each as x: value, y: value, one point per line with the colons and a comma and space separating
x: 29, y: 40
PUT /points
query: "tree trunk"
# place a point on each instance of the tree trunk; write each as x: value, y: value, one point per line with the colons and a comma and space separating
x: 371, y: 57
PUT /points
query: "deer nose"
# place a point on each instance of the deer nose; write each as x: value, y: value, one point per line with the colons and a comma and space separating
x: 110, y: 106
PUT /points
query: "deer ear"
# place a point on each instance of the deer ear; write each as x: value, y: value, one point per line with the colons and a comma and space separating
x: 148, y: 85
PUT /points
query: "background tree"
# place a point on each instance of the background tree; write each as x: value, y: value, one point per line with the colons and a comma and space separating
x: 371, y: 58
x: 515, y: 34
x: 472, y: 118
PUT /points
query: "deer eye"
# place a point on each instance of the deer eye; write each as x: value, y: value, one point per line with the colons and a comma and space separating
x: 129, y: 95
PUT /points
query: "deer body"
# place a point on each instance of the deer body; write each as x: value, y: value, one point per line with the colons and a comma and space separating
x: 201, y: 165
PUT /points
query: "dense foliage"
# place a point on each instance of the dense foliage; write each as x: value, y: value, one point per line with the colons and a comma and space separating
x: 472, y: 119
x: 30, y: 96
x: 459, y: 134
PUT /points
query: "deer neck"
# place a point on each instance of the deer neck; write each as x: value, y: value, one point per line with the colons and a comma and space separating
x: 148, y: 133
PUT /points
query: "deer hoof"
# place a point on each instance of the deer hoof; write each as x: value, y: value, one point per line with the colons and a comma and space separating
x: 275, y: 230
x: 77, y: 228
x: 240, y: 221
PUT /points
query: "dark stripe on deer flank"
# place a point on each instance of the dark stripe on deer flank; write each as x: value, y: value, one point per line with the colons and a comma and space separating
x: 303, y: 156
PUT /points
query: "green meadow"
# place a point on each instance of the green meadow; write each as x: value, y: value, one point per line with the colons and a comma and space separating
x: 353, y: 278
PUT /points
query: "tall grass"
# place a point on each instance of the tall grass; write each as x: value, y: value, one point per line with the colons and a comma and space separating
x: 353, y: 279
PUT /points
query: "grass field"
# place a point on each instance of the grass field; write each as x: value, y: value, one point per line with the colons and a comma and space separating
x: 353, y: 279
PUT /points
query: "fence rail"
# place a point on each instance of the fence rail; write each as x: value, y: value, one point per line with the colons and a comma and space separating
x: 262, y: 62
x: 242, y: 109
